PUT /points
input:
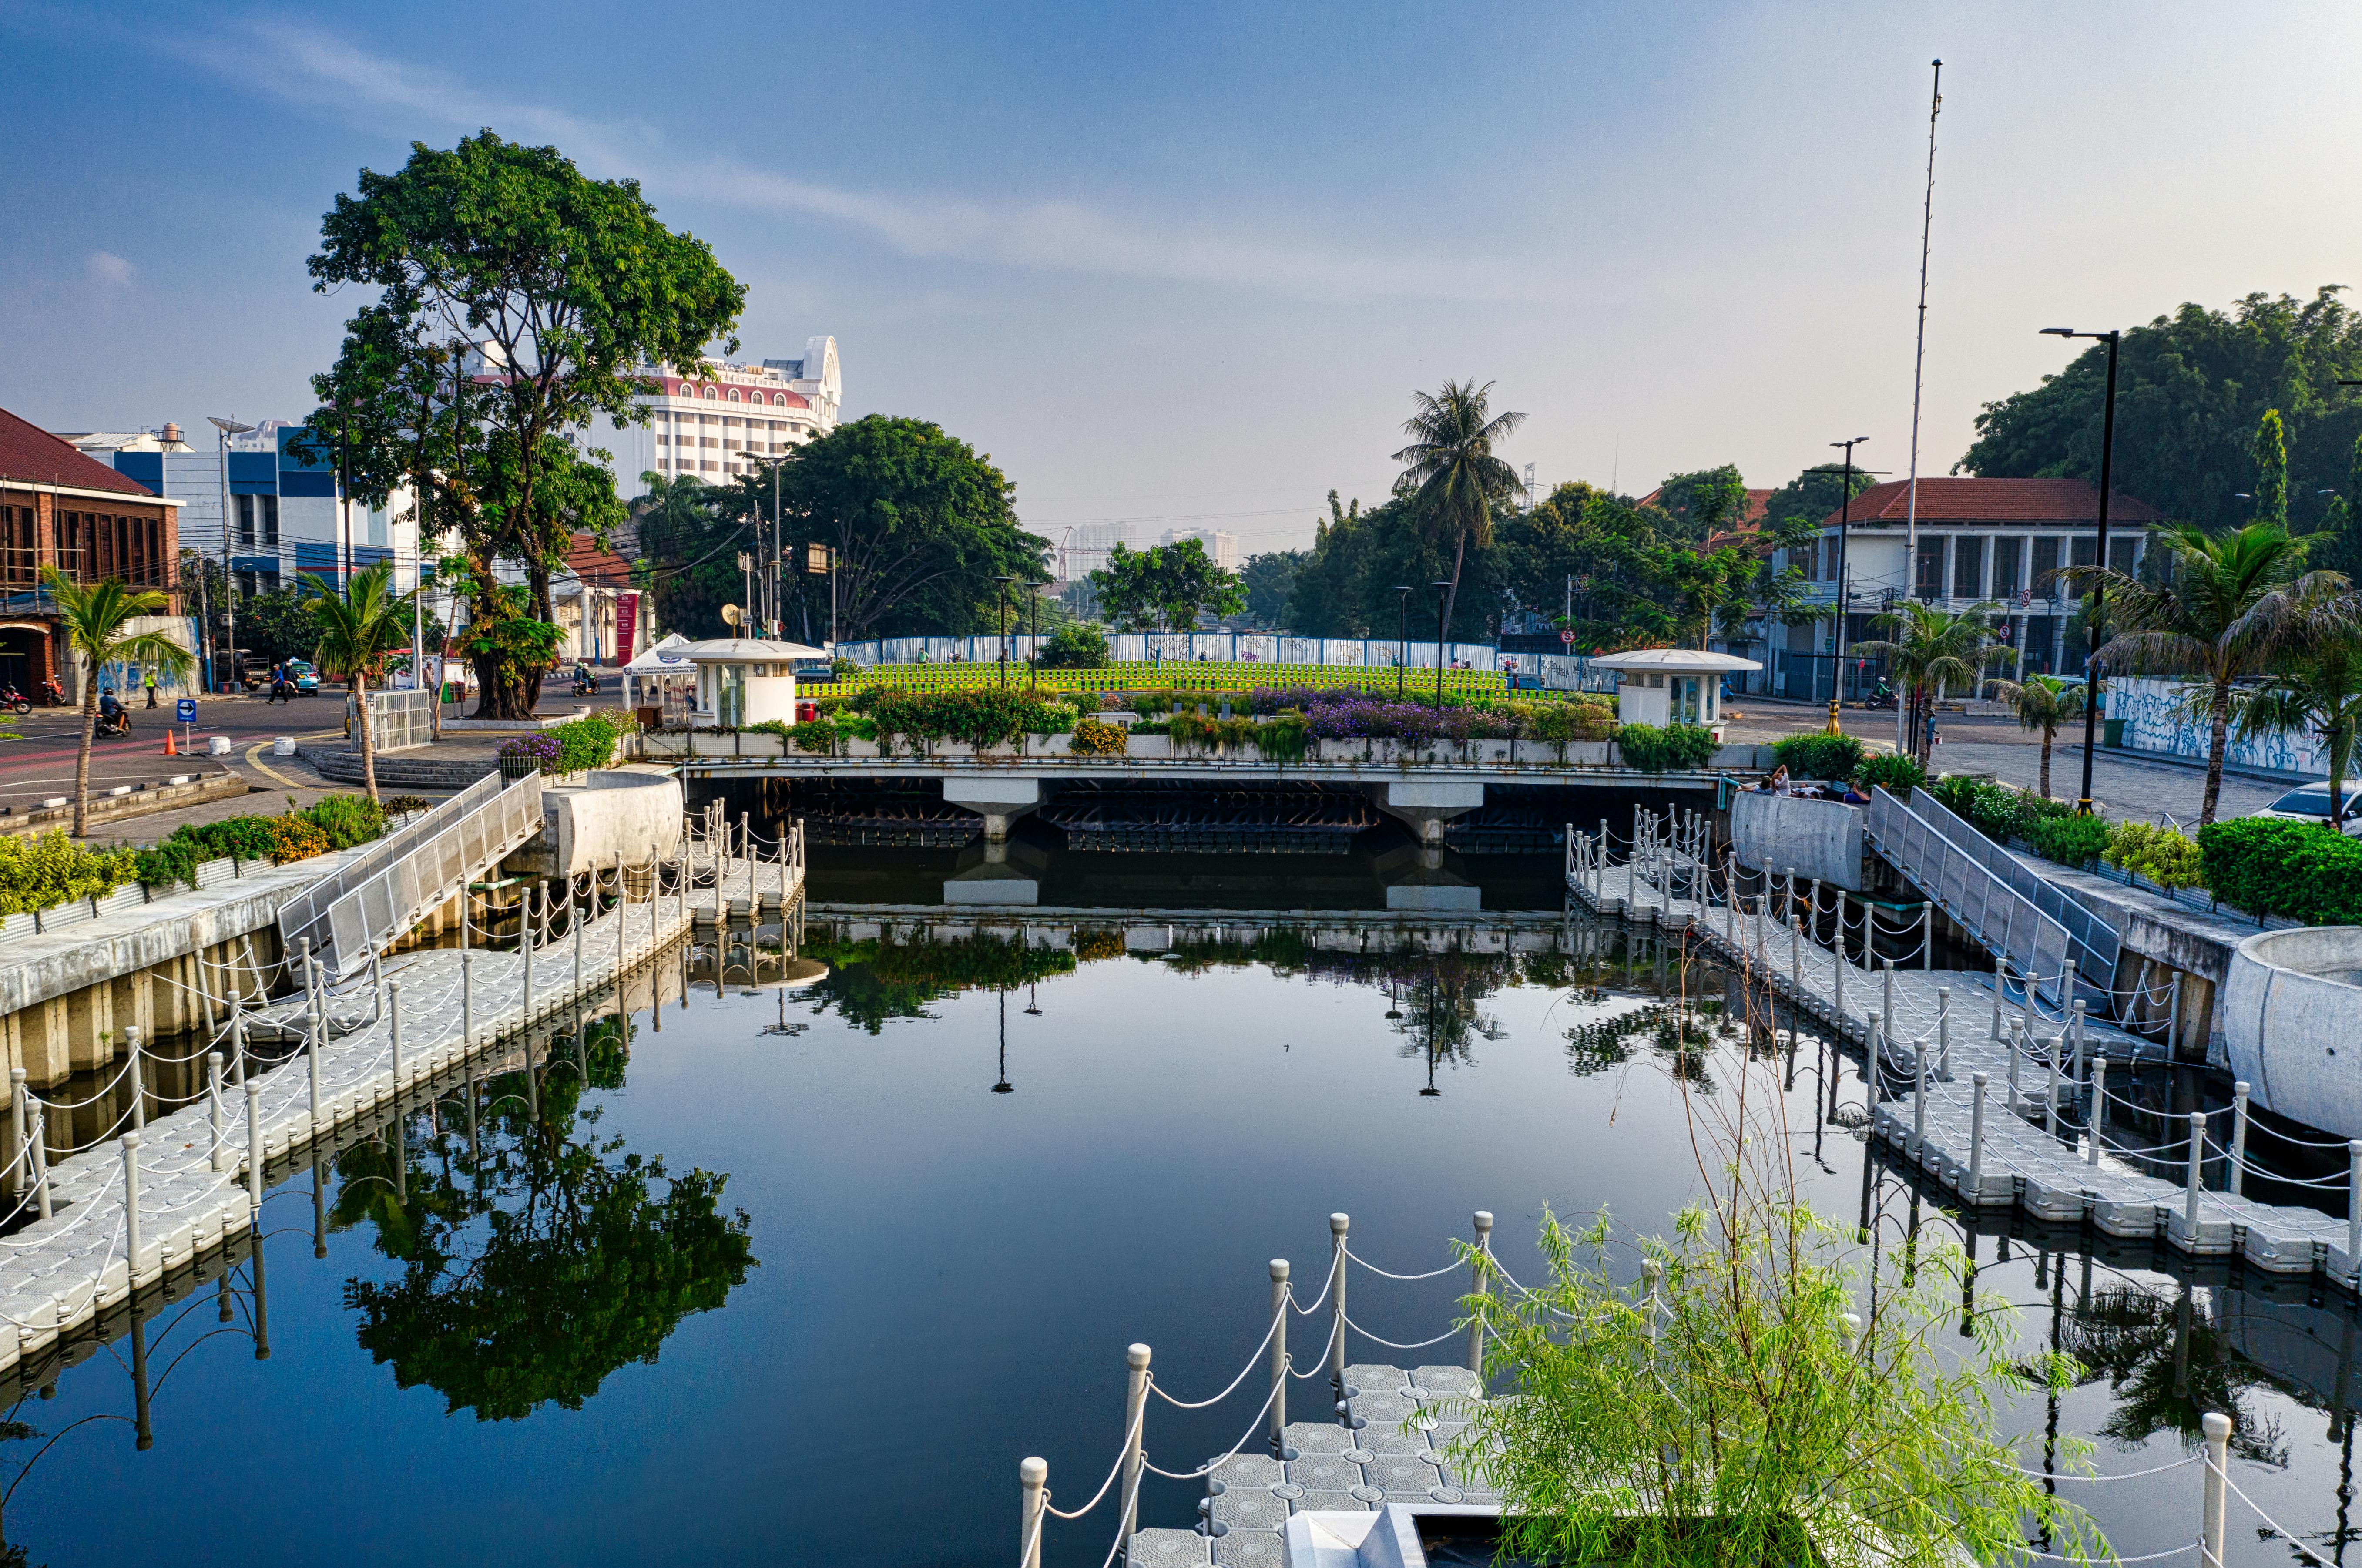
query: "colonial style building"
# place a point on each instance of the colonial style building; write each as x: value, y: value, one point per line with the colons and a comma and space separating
x: 703, y: 419
x: 1979, y: 541
x: 61, y: 508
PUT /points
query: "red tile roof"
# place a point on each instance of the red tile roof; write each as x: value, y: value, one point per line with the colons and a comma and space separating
x: 1948, y: 500
x: 32, y: 456
x: 602, y: 569
x: 1758, y: 503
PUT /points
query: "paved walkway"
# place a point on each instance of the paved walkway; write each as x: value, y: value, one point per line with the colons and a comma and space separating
x: 199, y: 1170
x: 2032, y: 1134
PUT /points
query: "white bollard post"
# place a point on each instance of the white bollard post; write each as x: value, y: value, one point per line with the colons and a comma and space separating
x: 1927, y: 934
x: 2050, y: 1110
x: 525, y: 939
x: 139, y: 1079
x: 2001, y: 984
x: 313, y: 1041
x: 2017, y: 1052
x: 41, y: 1158
x: 1796, y: 955
x: 467, y: 1002
x: 16, y: 1122
x: 2197, y: 1164
x: 132, y: 1211
x: 1837, y: 968
x: 254, y: 1142
x: 2211, y: 1522
x: 1033, y: 1474
x: 1870, y: 1054
x: 394, y: 1029
x: 1135, y: 1409
x: 213, y: 1093
x: 2075, y: 1023
x: 574, y: 924
x: 2239, y: 1134
x: 1337, y: 1225
x: 1477, y: 1285
x: 1279, y: 1359
x: 1977, y: 1137
x: 1886, y: 992
x: 2099, y: 1118
x: 1788, y: 895
x: 1944, y: 1032
x: 1919, y: 1096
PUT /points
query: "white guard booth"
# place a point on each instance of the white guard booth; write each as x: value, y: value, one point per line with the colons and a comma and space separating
x: 745, y: 681
x: 1671, y: 686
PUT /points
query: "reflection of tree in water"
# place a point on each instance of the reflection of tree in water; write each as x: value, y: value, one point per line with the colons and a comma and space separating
x: 545, y: 1258
x: 873, y: 982
x: 1675, y: 1036
x: 2166, y: 1366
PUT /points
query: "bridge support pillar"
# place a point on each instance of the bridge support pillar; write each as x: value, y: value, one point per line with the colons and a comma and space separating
x: 1425, y: 805
x: 1000, y: 801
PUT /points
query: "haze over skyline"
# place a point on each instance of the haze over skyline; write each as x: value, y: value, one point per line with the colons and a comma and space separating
x: 1186, y: 268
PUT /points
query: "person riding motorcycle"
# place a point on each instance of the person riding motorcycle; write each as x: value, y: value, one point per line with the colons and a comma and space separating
x: 114, y: 719
x: 585, y: 683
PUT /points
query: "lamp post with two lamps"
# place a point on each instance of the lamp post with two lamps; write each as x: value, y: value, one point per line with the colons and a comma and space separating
x: 228, y: 427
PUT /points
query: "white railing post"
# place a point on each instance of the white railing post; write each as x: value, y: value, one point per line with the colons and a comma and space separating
x: 1944, y: 1032
x: 41, y: 1157
x: 1919, y: 1096
x: 1478, y: 1285
x: 2212, y: 1521
x: 394, y: 1029
x: 1977, y: 1137
x: 1870, y: 1054
x: 213, y: 1095
x: 2016, y: 1054
x: 2099, y: 1117
x: 524, y: 941
x: 2050, y: 1110
x: 1279, y: 1358
x: 2197, y: 1165
x: 1135, y: 1409
x: 131, y: 1212
x: 254, y: 1144
x: 16, y: 1120
x: 1927, y: 934
x: 2001, y: 984
x: 1033, y: 1474
x: 2354, y: 1210
x: 139, y: 1079
x: 1338, y: 1226
x: 2239, y: 1134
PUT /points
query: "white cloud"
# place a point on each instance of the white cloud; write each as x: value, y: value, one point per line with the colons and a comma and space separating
x: 108, y: 268
x: 320, y: 71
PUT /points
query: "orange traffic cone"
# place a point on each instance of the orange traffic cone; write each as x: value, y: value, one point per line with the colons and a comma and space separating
x: 170, y: 749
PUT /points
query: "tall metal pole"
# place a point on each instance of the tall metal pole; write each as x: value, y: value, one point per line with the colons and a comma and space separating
x: 1918, y: 364
x: 345, y: 499
x: 1443, y: 597
x: 1402, y: 645
x: 230, y: 594
x: 1836, y: 643
x: 2091, y: 616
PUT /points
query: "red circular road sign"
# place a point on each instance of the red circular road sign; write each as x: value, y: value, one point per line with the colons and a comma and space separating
x: 1566, y: 637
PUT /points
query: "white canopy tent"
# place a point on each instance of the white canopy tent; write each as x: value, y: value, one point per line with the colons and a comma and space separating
x: 662, y: 677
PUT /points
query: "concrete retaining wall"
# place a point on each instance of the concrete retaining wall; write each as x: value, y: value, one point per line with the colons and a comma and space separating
x: 405, y: 771
x: 1821, y: 839
x: 2291, y: 1020
x: 617, y: 818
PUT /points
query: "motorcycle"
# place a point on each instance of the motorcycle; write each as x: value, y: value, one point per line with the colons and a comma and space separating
x: 14, y: 700
x: 54, y: 692
x: 585, y: 686
x: 119, y: 726
x: 1882, y: 698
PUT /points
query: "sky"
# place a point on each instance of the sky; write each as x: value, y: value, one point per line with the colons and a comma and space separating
x: 1183, y: 266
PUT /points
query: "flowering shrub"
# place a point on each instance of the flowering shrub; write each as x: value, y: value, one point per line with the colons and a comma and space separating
x: 1093, y: 738
x: 540, y: 749
x: 295, y: 838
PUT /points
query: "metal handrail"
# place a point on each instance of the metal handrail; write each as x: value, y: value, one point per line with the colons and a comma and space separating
x: 305, y: 916
x: 398, y: 895
x: 2098, y: 939
x: 1989, y: 908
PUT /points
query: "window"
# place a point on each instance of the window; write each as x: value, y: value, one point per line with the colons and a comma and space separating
x: 2087, y: 549
x: 1928, y: 578
x: 733, y: 394
x: 2008, y: 555
x: 2121, y: 553
x: 1969, y: 567
x: 2046, y: 568
x: 712, y: 392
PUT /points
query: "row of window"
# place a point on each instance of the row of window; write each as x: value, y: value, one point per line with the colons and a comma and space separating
x: 2002, y: 566
x: 732, y: 394
x: 257, y: 521
x: 661, y: 417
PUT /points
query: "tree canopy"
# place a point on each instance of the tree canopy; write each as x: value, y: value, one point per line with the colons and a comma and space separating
x: 1164, y: 586
x: 2192, y: 389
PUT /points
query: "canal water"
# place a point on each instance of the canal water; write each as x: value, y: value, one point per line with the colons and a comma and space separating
x: 801, y: 1276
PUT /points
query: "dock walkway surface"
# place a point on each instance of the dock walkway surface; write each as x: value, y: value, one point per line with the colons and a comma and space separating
x: 194, y: 1177
x: 2026, y: 1135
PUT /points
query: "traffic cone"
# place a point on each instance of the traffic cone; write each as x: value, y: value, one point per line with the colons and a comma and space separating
x: 170, y: 749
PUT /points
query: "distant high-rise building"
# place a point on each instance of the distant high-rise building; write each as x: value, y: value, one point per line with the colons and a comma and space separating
x: 703, y: 417
x: 1088, y: 545
x: 1221, y: 544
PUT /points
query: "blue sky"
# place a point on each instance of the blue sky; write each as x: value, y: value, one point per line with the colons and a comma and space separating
x: 1187, y: 262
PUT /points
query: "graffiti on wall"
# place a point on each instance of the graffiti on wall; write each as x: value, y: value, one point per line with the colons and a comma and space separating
x: 2159, y: 717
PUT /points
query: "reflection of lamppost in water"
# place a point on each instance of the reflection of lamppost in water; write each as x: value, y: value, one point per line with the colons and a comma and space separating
x: 1033, y: 999
x: 1004, y: 1086
x: 1394, y: 1008
x: 1430, y: 1091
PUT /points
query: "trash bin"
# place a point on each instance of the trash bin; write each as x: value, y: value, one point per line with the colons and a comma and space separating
x: 2112, y: 732
x: 807, y: 713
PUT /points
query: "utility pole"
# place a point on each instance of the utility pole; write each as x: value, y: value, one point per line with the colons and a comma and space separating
x: 1836, y: 640
x: 1918, y: 365
x: 227, y: 428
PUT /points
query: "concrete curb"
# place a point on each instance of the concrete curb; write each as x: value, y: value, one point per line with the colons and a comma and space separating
x: 108, y: 809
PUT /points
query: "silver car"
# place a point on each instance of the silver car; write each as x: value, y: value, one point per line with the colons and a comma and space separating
x: 2309, y: 803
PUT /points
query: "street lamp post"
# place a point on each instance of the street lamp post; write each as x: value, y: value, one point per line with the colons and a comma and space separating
x: 1004, y: 580
x: 1443, y: 590
x: 228, y: 427
x: 1033, y: 657
x: 1836, y: 643
x: 1402, y: 642
x: 2115, y: 340
x: 775, y: 609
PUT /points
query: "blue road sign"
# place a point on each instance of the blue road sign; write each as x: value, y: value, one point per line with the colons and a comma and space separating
x: 187, y: 707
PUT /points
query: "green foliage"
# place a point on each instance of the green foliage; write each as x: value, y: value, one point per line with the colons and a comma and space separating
x: 347, y: 820
x: 1561, y: 723
x: 1453, y: 478
x: 2269, y: 867
x: 2156, y: 852
x: 2194, y: 387
x: 1093, y: 738
x: 820, y: 735
x: 1675, y: 748
x: 2069, y: 840
x: 1999, y: 812
x: 1285, y: 737
x: 584, y: 743
x: 980, y: 715
x: 334, y: 822
x: 2270, y: 460
x: 397, y: 805
x: 1819, y: 756
x: 38, y: 870
x: 1269, y: 579
x: 1703, y: 504
x: 870, y: 983
x: 1165, y: 586
x: 1891, y: 771
x: 1075, y: 646
x: 276, y: 627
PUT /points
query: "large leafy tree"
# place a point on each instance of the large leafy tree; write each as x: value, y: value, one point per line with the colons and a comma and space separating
x: 920, y: 524
x: 687, y: 556
x: 99, y: 621
x: 1167, y: 586
x: 568, y: 288
x: 2226, y: 605
x: 2270, y: 461
x: 2192, y: 388
x: 1269, y: 579
x: 1450, y: 471
x: 1703, y: 504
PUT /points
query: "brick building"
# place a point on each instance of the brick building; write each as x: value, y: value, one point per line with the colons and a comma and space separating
x: 63, y: 509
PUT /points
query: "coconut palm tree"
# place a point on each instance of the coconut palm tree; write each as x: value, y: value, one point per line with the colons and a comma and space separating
x: 2226, y: 606
x: 2319, y: 695
x: 1931, y: 651
x: 357, y: 631
x: 98, y: 619
x: 2047, y: 703
x: 1449, y: 467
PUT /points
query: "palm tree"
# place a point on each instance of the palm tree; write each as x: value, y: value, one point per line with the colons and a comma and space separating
x: 97, y: 620
x: 1934, y: 649
x: 357, y: 632
x: 1455, y: 479
x: 2321, y: 696
x: 2047, y: 703
x: 2224, y: 607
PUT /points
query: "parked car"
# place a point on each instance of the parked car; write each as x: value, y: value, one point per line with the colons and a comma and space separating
x: 2309, y: 803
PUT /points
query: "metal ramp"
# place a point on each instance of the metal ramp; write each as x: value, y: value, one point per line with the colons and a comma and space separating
x: 2033, y: 925
x: 374, y: 898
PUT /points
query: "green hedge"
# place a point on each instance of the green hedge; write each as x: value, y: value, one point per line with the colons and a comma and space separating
x: 342, y: 821
x: 2298, y: 870
x: 2156, y: 852
x: 1819, y: 756
x: 1891, y: 771
x: 41, y: 869
x: 1675, y: 748
x: 2069, y: 841
x: 1999, y: 813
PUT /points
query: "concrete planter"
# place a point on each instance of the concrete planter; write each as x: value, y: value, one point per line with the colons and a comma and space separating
x: 862, y: 748
x: 704, y: 743
x: 1148, y: 746
x: 752, y: 742
x: 1350, y: 750
x: 2290, y: 1015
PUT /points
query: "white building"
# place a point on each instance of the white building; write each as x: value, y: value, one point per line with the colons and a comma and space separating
x: 702, y: 421
x: 1088, y: 545
x: 1221, y: 544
